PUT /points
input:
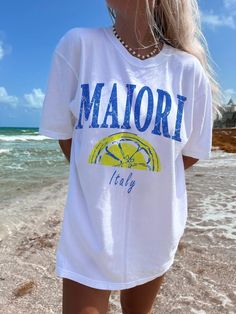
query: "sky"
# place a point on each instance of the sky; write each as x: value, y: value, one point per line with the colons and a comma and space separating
x: 30, y: 30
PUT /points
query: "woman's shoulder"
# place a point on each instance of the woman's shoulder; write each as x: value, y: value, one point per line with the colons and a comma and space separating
x: 72, y: 40
x: 77, y: 33
x: 186, y: 60
x: 181, y: 55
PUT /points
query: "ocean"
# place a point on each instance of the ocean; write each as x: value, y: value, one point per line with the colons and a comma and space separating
x: 28, y: 161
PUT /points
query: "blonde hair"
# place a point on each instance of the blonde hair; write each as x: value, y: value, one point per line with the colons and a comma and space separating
x: 178, y: 23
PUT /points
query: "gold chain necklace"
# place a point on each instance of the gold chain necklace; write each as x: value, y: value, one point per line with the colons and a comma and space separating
x: 150, y: 54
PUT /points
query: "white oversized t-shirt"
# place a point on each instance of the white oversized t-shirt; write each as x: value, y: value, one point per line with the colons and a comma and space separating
x: 130, y: 121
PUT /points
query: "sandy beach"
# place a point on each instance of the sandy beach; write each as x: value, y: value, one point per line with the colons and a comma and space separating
x: 201, y: 280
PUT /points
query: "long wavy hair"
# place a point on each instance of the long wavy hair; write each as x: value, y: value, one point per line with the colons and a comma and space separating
x: 178, y: 23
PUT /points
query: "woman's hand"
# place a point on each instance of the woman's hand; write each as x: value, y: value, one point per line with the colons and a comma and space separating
x: 188, y: 161
x: 66, y: 147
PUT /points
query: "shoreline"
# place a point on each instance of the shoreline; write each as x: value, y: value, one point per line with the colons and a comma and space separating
x: 200, y: 280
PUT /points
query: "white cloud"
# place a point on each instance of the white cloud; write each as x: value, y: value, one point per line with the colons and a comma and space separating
x: 2, y: 51
x: 7, y: 99
x: 4, y: 47
x: 215, y: 20
x: 228, y: 19
x: 34, y: 99
x: 230, y: 5
x: 229, y: 93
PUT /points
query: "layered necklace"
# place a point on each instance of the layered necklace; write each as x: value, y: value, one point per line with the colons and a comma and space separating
x: 142, y: 57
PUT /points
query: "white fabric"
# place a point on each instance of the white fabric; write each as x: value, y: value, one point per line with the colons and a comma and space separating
x: 124, y: 214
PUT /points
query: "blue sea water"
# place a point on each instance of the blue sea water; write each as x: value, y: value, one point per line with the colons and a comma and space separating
x: 28, y: 161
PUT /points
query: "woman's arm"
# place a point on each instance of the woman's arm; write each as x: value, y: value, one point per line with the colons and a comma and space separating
x: 66, y: 147
x: 189, y: 161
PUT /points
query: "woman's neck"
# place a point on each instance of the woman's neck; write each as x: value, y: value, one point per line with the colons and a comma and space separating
x: 136, y: 36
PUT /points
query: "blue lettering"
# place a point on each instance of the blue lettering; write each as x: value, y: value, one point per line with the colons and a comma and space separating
x: 161, y: 116
x: 112, y: 176
x: 86, y: 105
x: 119, y: 181
x: 137, y: 113
x: 113, y: 113
x: 163, y: 109
x: 181, y: 100
x: 130, y: 92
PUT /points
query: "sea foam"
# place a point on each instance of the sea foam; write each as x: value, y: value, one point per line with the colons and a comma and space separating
x: 23, y: 138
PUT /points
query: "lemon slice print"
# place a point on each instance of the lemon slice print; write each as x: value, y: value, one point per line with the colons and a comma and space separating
x: 126, y: 150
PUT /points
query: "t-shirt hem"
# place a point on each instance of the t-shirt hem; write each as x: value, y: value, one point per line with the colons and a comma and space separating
x: 55, y: 135
x: 64, y: 273
x: 197, y: 154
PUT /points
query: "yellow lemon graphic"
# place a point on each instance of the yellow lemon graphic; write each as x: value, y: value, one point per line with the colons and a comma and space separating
x: 126, y: 150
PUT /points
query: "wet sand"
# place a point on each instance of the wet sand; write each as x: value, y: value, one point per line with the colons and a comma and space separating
x: 201, y: 280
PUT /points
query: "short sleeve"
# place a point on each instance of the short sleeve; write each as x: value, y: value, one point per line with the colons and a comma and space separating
x: 57, y: 121
x: 199, y: 142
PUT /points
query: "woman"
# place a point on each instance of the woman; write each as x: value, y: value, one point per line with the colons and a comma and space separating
x: 131, y: 106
